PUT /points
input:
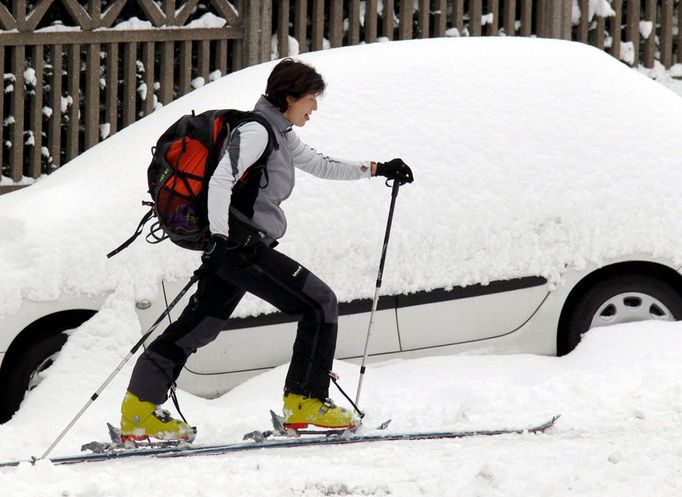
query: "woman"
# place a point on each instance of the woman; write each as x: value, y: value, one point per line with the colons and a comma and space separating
x: 245, y: 221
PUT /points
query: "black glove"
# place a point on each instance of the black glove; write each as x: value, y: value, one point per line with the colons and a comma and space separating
x: 395, y: 169
x: 212, y: 259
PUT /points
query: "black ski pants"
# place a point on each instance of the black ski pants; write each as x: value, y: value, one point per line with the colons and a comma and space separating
x: 273, y: 277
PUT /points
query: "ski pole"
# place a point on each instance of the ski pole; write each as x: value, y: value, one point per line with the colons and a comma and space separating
x: 394, y: 195
x: 192, y: 281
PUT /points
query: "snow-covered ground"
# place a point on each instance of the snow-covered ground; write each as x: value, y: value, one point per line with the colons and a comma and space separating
x: 670, y: 78
x: 620, y: 433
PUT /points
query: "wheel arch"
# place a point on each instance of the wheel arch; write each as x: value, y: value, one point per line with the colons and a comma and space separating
x: 649, y: 268
x: 51, y: 324
x: 35, y: 333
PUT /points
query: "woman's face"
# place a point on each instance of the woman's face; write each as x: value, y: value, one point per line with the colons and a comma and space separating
x: 299, y: 110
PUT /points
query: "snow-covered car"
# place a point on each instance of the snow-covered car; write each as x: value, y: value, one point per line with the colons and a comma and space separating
x: 546, y: 202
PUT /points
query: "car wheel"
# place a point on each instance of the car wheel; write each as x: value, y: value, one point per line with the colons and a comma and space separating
x: 24, y: 371
x: 621, y: 298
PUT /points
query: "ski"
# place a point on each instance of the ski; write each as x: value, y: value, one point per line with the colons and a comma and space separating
x: 276, y: 441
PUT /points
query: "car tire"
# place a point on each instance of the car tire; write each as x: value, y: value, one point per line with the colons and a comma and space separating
x: 22, y: 370
x: 619, y: 298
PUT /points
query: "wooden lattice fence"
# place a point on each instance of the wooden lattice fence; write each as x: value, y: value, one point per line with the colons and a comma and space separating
x: 71, y: 83
x: 69, y: 87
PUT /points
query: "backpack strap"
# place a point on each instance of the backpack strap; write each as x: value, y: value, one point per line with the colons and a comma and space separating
x: 252, y: 178
x: 138, y: 231
x: 272, y: 144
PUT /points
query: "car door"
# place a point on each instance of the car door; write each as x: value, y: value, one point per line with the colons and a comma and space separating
x: 467, y: 314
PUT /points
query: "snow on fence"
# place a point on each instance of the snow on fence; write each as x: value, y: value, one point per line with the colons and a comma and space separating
x: 350, y: 22
x: 74, y: 74
x: 636, y: 31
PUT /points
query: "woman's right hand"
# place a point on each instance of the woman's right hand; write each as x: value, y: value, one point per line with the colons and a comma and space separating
x: 214, y: 256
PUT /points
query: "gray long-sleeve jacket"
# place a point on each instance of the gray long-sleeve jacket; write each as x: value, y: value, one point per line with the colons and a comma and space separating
x: 246, y: 145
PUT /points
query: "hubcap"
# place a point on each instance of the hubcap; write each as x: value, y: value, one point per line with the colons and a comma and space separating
x: 629, y: 307
x: 37, y: 376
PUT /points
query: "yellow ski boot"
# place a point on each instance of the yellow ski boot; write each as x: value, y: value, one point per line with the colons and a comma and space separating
x: 300, y: 411
x: 141, y: 420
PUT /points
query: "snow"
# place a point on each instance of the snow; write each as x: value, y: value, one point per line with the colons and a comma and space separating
x: 627, y: 52
x: 142, y: 90
x: 601, y: 8
x: 134, y: 23
x: 65, y: 102
x: 646, y: 28
x: 487, y: 19
x: 294, y: 47
x: 25, y: 180
x: 670, y: 78
x: 496, y: 134
x: 575, y: 13
x: 497, y: 127
x: 104, y: 130
x: 57, y: 27
x: 618, y: 394
x: 208, y: 20
x: 30, y: 76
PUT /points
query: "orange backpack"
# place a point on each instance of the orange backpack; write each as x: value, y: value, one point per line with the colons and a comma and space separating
x: 184, y: 158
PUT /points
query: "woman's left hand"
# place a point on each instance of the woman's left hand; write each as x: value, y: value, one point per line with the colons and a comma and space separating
x: 395, y: 169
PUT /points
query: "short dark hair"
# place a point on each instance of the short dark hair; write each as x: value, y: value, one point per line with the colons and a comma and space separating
x: 292, y: 78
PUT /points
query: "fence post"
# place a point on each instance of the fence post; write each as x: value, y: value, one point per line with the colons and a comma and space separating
x: 666, y: 35
x: 265, y: 30
x: 559, y: 22
x: 632, y: 27
x: 568, y: 21
x: 253, y: 32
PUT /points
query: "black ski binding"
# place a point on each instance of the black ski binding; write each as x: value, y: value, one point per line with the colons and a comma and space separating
x: 118, y: 444
x: 280, y: 431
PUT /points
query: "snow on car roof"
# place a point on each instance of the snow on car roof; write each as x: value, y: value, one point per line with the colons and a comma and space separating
x: 529, y: 155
